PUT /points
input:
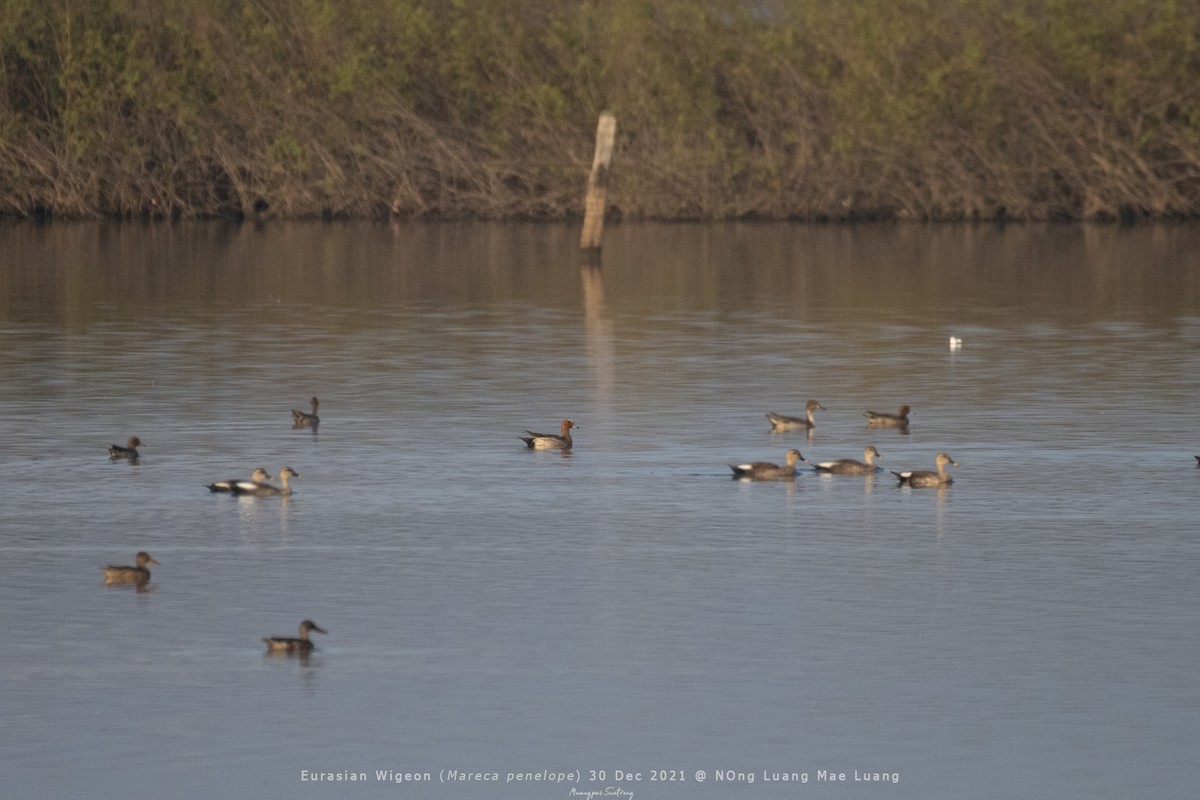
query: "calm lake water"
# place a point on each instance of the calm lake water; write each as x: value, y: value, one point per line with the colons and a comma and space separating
x: 1029, y: 631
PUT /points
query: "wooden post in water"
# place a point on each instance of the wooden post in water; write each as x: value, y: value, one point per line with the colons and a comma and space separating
x: 597, y: 189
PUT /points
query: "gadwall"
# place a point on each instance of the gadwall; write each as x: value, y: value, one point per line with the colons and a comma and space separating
x: 138, y: 574
x: 779, y: 422
x: 924, y: 477
x: 897, y: 420
x: 765, y: 471
x: 302, y: 644
x: 260, y: 476
x: 848, y: 466
x: 258, y: 489
x: 115, y: 451
x: 302, y: 420
x: 546, y: 441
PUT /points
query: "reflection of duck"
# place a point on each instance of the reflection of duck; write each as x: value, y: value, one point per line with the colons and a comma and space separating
x: 546, y: 441
x: 302, y: 420
x: 928, y: 478
x: 848, y: 466
x: 258, y: 489
x: 779, y: 422
x: 138, y: 574
x: 260, y: 476
x: 115, y: 451
x: 898, y: 420
x: 765, y: 471
x: 302, y: 644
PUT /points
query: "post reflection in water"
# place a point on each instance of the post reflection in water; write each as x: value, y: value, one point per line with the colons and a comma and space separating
x: 598, y: 326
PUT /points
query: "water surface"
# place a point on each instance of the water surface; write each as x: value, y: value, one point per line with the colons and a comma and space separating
x: 1026, y: 632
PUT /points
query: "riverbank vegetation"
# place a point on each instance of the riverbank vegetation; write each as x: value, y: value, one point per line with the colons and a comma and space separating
x: 781, y: 109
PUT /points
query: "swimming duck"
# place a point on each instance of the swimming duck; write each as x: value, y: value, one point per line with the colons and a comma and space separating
x: 285, y: 643
x: 848, y: 466
x: 897, y: 420
x: 138, y: 574
x: 779, y: 422
x: 547, y: 441
x: 302, y: 420
x: 928, y: 478
x: 115, y: 451
x: 259, y: 489
x: 765, y: 471
x: 260, y: 476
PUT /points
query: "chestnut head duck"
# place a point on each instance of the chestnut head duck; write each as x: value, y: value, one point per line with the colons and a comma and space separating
x: 138, y: 574
x: 779, y: 422
x: 928, y: 478
x: 288, y: 644
x: 897, y: 420
x: 546, y: 441
x: 848, y: 466
x: 766, y: 471
x: 129, y: 451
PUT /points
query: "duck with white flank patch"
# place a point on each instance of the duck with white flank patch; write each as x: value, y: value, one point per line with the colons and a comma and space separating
x: 260, y: 476
x: 766, y: 471
x: 848, y: 466
x: 550, y: 441
x: 928, y: 478
x: 256, y: 489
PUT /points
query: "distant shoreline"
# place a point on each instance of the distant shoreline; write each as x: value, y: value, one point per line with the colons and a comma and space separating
x: 420, y: 110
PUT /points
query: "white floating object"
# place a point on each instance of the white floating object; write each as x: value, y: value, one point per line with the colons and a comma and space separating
x: 955, y: 343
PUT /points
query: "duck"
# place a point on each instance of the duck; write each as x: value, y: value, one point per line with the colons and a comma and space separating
x: 260, y: 476
x: 288, y: 644
x: 779, y: 422
x: 302, y: 420
x: 116, y: 451
x: 848, y: 466
x: 926, y: 477
x: 138, y: 574
x: 765, y: 471
x: 259, y: 489
x: 898, y: 420
x: 547, y: 441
